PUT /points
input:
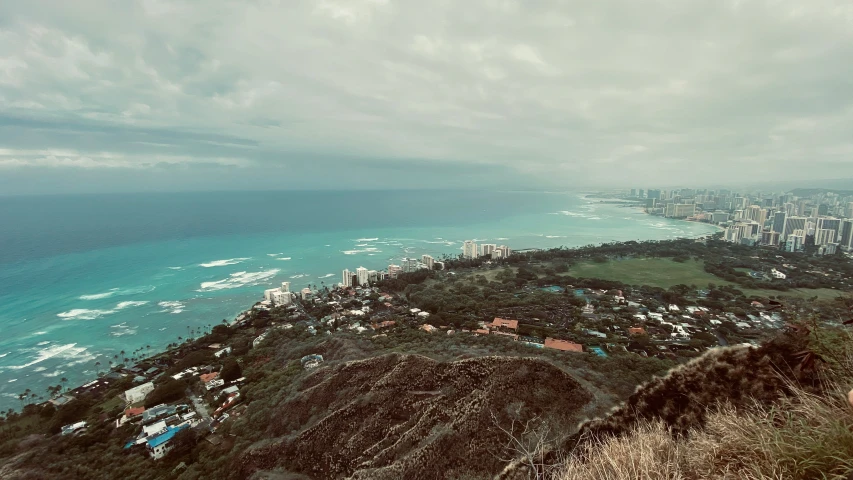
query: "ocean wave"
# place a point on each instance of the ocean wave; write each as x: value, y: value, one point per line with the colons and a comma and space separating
x: 283, y: 258
x: 175, y: 268
x: 300, y: 275
x: 68, y: 351
x: 171, y: 306
x: 98, y: 296
x: 12, y: 380
x: 222, y: 263
x: 363, y: 245
x: 274, y: 254
x: 43, y: 343
x: 39, y: 369
x: 83, y: 314
x: 3, y: 355
x: 555, y: 236
x: 328, y: 275
x: 440, y: 242
x: 124, y: 331
x: 118, y: 292
x: 133, y: 303
x: 367, y: 239
x: 55, y: 373
x: 363, y: 250
x: 92, y: 314
x: 239, y: 279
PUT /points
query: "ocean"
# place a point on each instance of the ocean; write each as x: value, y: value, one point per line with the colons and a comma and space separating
x: 86, y: 277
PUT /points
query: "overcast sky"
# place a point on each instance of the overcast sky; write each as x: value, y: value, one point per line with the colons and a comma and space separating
x: 173, y: 95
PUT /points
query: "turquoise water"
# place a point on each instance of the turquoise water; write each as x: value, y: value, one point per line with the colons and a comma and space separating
x: 598, y: 351
x: 84, y: 278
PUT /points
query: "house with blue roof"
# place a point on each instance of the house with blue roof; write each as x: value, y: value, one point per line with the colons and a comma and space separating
x: 158, y: 446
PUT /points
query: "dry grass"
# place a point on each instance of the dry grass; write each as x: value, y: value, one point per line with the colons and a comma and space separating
x: 802, y: 437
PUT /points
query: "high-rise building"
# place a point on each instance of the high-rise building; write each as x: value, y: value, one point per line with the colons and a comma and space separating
x: 769, y: 238
x: 823, y: 236
x: 653, y: 194
x: 847, y: 235
x: 362, y: 276
x: 822, y: 209
x: 409, y: 265
x: 848, y: 212
x: 680, y: 210
x: 428, y: 261
x: 280, y: 297
x: 285, y: 287
x: 779, y: 222
x: 487, y: 249
x: 794, y: 243
x: 829, y: 224
x: 394, y: 270
x: 469, y: 249
x: 641, y: 193
x: 346, y: 278
x: 633, y: 192
x: 504, y: 251
x: 791, y: 224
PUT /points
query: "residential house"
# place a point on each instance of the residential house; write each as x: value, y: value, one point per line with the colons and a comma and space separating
x: 138, y: 393
x: 498, y: 323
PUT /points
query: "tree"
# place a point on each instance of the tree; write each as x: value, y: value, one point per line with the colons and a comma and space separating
x: 230, y: 370
x: 166, y: 392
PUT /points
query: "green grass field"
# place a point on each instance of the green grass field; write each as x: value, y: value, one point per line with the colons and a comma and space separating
x: 665, y: 272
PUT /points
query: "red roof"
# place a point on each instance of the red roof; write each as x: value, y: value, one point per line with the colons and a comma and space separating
x: 208, y: 376
x: 481, y: 331
x: 636, y: 330
x: 563, y: 345
x: 503, y: 322
x: 132, y: 412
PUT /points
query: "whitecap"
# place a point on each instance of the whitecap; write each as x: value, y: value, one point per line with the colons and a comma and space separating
x: 274, y: 254
x: 43, y: 343
x: 239, y: 279
x: 222, y: 263
x: 175, y: 268
x: 3, y: 355
x: 299, y: 275
x: 502, y: 238
x: 40, y: 333
x: 12, y: 380
x: 62, y: 351
x: 39, y: 369
x: 98, y: 296
x: 555, y: 236
x: 283, y: 258
x: 134, y: 303
x: 327, y: 275
x: 363, y: 250
x: 171, y: 306
x: 55, y: 373
x: 83, y: 314
x: 367, y: 239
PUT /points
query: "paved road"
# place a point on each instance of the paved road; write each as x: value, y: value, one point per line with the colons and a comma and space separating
x: 200, y: 407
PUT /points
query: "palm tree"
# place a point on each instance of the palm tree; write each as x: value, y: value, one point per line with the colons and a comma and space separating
x: 63, y: 381
x: 98, y: 367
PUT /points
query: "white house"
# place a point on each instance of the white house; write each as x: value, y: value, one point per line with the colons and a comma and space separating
x: 138, y: 394
x: 224, y: 351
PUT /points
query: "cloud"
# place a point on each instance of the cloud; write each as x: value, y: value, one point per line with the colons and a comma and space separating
x: 549, y: 93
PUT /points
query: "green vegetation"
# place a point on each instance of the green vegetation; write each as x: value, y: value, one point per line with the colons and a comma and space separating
x: 655, y: 272
x: 667, y: 272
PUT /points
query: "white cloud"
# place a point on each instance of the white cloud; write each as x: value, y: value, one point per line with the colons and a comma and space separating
x: 551, y: 92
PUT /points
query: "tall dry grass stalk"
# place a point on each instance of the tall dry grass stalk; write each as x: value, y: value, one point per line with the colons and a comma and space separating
x: 805, y: 436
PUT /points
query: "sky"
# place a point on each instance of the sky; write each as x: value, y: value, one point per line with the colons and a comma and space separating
x: 326, y: 94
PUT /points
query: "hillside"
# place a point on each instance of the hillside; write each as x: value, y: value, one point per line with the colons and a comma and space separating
x: 407, y: 416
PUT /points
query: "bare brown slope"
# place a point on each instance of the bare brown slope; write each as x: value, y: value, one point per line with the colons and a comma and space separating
x: 408, y: 416
x: 683, y: 399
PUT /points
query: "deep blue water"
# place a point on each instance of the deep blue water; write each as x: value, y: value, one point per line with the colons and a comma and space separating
x: 84, y: 277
